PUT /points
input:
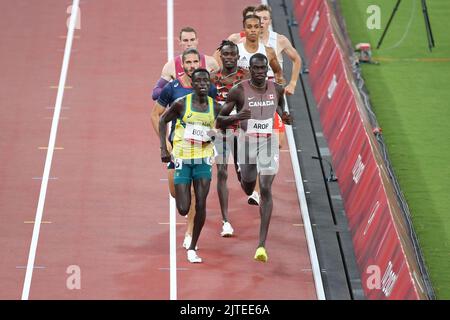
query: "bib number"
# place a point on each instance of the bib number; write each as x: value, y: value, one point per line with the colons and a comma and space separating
x: 196, y: 133
x: 264, y: 127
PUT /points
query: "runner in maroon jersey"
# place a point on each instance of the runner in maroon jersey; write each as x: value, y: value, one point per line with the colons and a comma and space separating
x: 173, y: 69
x: 224, y: 80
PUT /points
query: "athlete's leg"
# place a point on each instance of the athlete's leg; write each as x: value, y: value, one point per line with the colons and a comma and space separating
x: 201, y: 187
x: 170, y: 173
x: 282, y: 139
x: 248, y: 177
x: 191, y: 214
x: 183, y: 197
x: 222, y: 189
x: 235, y: 157
x: 266, y: 206
x: 247, y: 162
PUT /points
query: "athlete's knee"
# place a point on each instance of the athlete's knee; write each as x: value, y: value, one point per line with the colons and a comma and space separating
x: 265, y: 191
x: 183, y: 208
x: 222, y: 174
x: 248, y: 187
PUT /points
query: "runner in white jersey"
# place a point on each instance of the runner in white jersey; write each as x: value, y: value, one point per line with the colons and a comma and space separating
x: 252, y: 45
x: 280, y: 44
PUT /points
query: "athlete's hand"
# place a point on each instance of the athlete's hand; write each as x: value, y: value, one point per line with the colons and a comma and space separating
x: 286, y: 118
x: 165, y: 156
x: 290, y: 89
x: 244, y: 114
x: 212, y: 134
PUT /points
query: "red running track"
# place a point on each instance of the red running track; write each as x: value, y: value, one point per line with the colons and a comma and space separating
x: 107, y: 201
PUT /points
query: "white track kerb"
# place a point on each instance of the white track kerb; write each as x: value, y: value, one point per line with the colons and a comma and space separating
x: 304, y: 207
x: 172, y: 205
x: 50, y: 150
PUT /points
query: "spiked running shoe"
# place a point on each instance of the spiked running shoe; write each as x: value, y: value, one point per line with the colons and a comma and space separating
x: 193, y: 257
x: 261, y: 254
x: 227, y: 230
x: 254, y: 199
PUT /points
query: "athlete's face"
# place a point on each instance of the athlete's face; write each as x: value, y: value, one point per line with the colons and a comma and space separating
x: 188, y: 40
x: 190, y: 63
x: 258, y: 70
x: 201, y: 83
x: 229, y: 56
x: 265, y: 19
x: 252, y: 29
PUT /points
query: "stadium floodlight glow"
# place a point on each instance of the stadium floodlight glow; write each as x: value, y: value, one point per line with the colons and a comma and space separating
x: 426, y: 17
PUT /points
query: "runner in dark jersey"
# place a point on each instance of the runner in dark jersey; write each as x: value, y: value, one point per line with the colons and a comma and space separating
x: 256, y: 101
x: 171, y: 92
x: 224, y: 80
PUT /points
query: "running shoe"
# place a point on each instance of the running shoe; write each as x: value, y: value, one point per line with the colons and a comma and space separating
x: 193, y: 257
x: 187, y: 242
x: 261, y: 254
x: 254, y: 199
x: 227, y: 230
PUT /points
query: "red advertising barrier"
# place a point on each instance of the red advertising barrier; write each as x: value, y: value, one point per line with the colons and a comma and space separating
x: 388, y: 268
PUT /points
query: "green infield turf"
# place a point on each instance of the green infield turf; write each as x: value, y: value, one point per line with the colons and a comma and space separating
x: 410, y: 94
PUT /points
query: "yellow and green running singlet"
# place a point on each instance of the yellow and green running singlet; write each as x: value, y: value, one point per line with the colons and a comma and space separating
x: 191, y: 140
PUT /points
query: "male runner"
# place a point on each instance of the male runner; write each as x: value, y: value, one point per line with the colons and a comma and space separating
x: 281, y: 45
x: 172, y: 91
x: 224, y: 80
x: 173, y: 69
x: 256, y: 101
x: 192, y: 150
x: 250, y: 46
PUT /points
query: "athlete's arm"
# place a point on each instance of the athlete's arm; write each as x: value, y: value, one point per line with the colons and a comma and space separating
x: 235, y: 98
x: 163, y: 101
x: 216, y: 56
x: 157, y: 111
x: 171, y: 113
x: 158, y: 88
x: 168, y: 71
x: 289, y: 50
x: 211, y: 64
x: 285, y: 117
x: 275, y: 65
x: 235, y: 37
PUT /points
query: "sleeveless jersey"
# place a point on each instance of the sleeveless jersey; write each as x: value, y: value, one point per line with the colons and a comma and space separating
x: 179, y: 71
x: 191, y: 140
x: 262, y: 106
x: 273, y: 43
x: 244, y: 55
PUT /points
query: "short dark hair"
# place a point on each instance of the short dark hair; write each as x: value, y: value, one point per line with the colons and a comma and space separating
x: 258, y: 56
x: 263, y: 7
x: 247, y: 10
x: 189, y: 51
x: 188, y: 29
x: 228, y: 43
x: 250, y: 16
x: 199, y: 70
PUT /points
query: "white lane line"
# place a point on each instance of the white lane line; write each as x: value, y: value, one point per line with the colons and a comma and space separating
x: 304, y: 206
x: 48, y: 160
x: 172, y: 206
